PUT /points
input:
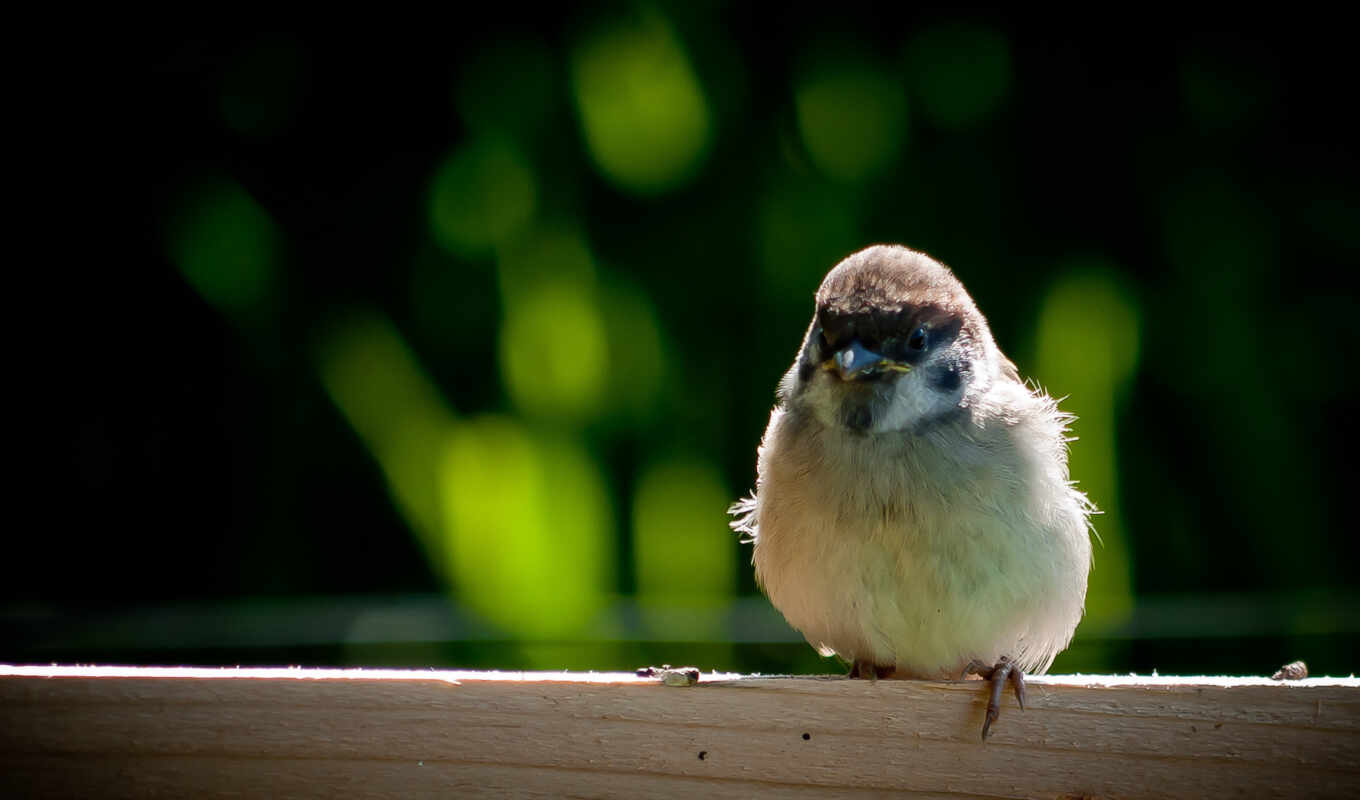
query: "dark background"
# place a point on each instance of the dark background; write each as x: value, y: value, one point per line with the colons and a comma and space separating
x: 449, y: 345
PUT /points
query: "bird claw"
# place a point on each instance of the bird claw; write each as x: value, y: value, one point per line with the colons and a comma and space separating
x: 1003, y: 672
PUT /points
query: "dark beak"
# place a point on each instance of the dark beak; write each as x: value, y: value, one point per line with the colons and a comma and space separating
x: 856, y: 363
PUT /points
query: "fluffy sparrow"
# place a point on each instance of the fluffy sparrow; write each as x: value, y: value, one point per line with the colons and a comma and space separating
x: 913, y: 513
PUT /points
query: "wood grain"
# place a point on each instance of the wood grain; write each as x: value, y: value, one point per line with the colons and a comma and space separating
x: 131, y: 732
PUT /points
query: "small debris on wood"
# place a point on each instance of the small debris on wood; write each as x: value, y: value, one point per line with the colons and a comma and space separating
x: 671, y: 676
x: 1293, y: 671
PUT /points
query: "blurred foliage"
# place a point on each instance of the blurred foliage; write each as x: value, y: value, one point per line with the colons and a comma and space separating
x: 529, y: 528
x: 1094, y: 370
x: 962, y: 73
x: 494, y: 315
x: 643, y: 113
x: 374, y: 379
x: 852, y: 118
x: 674, y: 498
x: 481, y: 197
x: 228, y: 249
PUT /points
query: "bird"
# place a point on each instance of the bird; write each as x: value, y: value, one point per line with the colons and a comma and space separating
x: 913, y: 512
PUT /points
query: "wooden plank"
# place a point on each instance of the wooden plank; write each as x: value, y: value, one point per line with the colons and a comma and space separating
x: 125, y: 732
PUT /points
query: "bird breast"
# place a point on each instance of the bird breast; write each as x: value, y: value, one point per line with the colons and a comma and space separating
x: 922, y: 551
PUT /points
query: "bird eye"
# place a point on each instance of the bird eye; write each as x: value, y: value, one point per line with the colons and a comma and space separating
x: 917, y: 340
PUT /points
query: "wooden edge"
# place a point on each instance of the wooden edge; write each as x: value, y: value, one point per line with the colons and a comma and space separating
x: 108, y: 731
x: 460, y: 676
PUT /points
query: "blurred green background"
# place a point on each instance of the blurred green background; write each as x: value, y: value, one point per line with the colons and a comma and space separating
x: 450, y: 346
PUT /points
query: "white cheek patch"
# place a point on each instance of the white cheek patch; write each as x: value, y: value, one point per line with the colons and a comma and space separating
x: 912, y: 401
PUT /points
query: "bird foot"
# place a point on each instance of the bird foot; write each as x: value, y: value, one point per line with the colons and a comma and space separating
x: 870, y: 670
x: 1002, y: 672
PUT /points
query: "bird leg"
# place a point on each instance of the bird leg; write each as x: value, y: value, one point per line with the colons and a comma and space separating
x: 870, y: 670
x: 1004, y: 671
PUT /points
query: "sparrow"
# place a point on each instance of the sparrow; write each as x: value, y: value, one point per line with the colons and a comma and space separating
x: 913, y: 513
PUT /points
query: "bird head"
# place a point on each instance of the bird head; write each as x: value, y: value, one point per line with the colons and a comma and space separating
x: 895, y: 344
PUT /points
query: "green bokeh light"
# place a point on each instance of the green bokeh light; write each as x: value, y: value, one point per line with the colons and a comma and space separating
x: 520, y: 525
x: 643, y: 113
x: 481, y: 196
x: 575, y: 341
x: 530, y: 528
x: 853, y: 120
x: 683, y: 551
x: 550, y: 252
x: 637, y: 352
x: 227, y: 247
x: 1087, y: 347
x: 378, y: 384
x: 961, y: 72
x: 553, y: 351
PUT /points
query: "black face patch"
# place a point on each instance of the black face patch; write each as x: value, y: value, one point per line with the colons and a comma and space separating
x: 814, y: 353
x: 857, y: 415
x: 946, y: 378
